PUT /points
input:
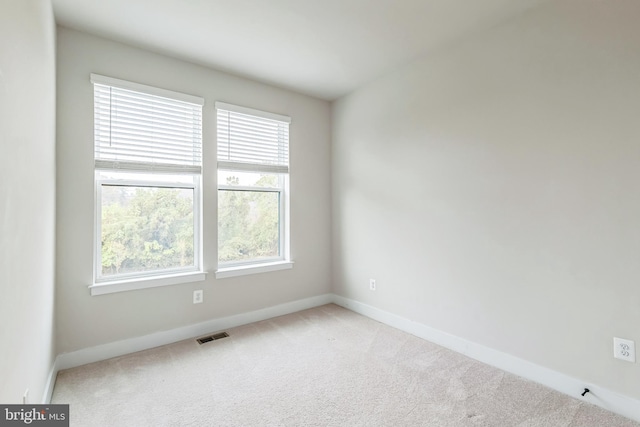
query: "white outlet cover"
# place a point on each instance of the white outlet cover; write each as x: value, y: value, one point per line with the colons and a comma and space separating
x: 198, y: 296
x: 624, y: 349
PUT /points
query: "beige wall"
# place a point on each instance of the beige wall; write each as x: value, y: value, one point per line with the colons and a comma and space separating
x: 27, y: 197
x: 85, y: 321
x: 493, y: 189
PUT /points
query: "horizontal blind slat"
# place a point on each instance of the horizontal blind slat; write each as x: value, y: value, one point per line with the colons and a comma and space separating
x: 249, y: 133
x: 133, y: 133
x: 146, y: 111
x: 142, y: 151
x: 147, y: 114
x: 143, y: 166
x: 250, y: 151
x: 252, y: 142
x: 143, y: 105
x: 143, y: 131
x: 252, y: 167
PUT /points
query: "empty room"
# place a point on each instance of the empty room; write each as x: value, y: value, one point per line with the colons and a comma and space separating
x: 320, y: 213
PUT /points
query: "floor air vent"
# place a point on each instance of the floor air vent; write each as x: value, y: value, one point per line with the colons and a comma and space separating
x: 213, y: 337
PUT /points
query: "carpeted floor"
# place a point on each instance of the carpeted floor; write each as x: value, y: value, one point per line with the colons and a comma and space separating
x: 321, y: 367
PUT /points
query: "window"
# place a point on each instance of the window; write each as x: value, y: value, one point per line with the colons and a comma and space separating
x: 253, y: 182
x: 148, y: 165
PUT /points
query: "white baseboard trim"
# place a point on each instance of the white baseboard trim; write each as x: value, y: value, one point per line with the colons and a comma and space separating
x: 51, y: 382
x: 131, y: 345
x: 598, y: 396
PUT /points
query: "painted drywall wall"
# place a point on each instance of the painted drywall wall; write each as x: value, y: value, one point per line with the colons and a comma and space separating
x: 492, y: 189
x: 85, y: 321
x: 27, y: 197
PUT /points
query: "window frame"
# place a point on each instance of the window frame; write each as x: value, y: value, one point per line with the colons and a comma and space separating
x: 282, y: 234
x: 143, y: 176
x: 148, y: 183
x: 253, y: 266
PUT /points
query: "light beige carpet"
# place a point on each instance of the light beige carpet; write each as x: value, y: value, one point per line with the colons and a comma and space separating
x: 321, y: 367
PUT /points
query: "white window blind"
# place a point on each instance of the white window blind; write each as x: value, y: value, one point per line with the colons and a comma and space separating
x: 138, y: 127
x: 252, y: 140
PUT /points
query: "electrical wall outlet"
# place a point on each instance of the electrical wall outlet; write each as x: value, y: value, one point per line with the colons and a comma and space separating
x: 372, y: 284
x: 624, y: 349
x: 198, y: 296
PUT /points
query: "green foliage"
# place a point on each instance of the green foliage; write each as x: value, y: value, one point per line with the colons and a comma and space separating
x: 248, y: 222
x: 146, y: 229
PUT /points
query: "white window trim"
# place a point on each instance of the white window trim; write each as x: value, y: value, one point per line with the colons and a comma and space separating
x: 143, y: 280
x: 137, y: 87
x: 252, y: 112
x: 253, y: 268
x: 146, y: 282
x: 283, y: 261
x: 152, y: 276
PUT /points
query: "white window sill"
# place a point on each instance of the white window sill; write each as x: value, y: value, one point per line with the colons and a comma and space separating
x: 243, y: 270
x: 145, y: 282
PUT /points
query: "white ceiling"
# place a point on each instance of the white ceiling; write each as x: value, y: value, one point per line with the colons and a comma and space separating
x: 323, y: 48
